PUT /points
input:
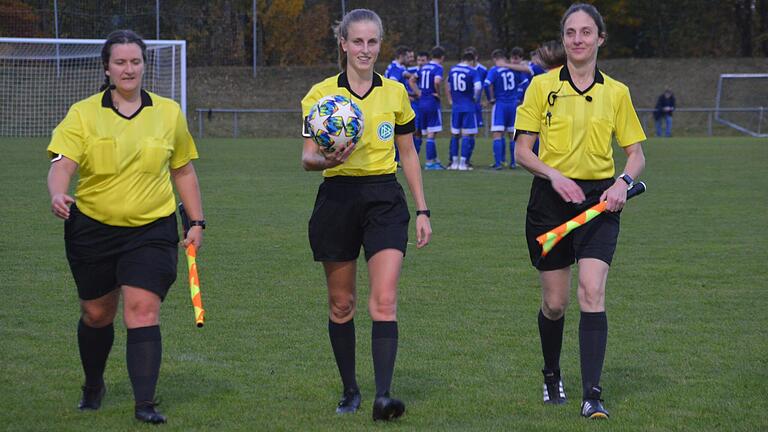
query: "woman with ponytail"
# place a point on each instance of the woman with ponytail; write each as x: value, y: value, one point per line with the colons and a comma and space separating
x: 361, y: 204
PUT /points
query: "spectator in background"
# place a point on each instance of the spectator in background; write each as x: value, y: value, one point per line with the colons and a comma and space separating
x: 664, y: 108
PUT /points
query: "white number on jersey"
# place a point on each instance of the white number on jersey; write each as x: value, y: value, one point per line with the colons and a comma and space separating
x: 425, y: 77
x: 509, y: 80
x: 459, y: 82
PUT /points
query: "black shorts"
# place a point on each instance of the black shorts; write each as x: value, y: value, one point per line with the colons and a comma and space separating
x: 368, y: 211
x: 104, y: 257
x: 547, y: 210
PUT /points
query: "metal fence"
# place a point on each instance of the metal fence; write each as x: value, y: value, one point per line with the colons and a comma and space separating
x: 255, y: 122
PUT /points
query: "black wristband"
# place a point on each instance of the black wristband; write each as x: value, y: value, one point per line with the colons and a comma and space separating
x: 426, y: 213
x: 200, y: 223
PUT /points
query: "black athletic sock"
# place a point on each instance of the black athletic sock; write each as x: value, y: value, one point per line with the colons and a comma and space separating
x: 593, y: 337
x: 95, y: 344
x: 384, y: 350
x: 144, y: 350
x: 343, y: 344
x: 551, y: 334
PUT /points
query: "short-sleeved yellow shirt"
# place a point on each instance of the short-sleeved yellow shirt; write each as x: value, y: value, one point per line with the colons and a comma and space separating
x: 124, y: 163
x: 576, y: 127
x: 386, y: 112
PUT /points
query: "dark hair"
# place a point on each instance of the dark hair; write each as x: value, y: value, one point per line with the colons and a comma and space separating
x: 437, y: 52
x: 341, y: 30
x: 551, y: 54
x: 468, y: 55
x: 472, y: 50
x: 422, y: 54
x: 119, y: 37
x: 589, y: 10
x: 498, y: 53
x: 401, y: 51
x: 516, y: 52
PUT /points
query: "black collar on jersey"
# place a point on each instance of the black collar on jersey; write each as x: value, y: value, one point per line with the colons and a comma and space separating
x: 565, y: 75
x: 106, y: 102
x: 343, y: 81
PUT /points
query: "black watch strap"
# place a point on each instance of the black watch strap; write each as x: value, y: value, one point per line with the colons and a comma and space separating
x: 426, y: 213
x: 200, y: 223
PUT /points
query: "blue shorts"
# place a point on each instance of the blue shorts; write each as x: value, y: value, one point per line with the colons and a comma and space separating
x: 415, y: 106
x: 503, y: 117
x: 430, y: 120
x: 464, y: 123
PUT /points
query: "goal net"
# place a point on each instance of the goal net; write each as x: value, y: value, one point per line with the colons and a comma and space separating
x: 41, y: 78
x: 742, y: 103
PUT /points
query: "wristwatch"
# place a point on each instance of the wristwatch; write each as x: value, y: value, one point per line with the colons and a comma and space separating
x: 627, y: 179
x: 200, y: 223
x: 423, y: 212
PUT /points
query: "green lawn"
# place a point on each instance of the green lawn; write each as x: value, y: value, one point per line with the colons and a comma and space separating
x: 686, y: 302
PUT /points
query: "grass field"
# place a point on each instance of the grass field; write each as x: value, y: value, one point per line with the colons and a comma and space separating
x: 686, y: 304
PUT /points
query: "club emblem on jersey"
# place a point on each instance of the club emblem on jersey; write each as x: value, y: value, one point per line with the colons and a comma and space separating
x: 385, y: 131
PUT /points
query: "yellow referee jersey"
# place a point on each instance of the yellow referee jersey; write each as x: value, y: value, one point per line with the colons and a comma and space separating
x: 124, y: 162
x: 386, y: 112
x: 576, y: 127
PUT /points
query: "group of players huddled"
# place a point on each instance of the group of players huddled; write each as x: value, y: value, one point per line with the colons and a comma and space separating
x: 504, y: 86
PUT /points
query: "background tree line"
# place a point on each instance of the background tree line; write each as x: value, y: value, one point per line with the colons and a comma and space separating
x: 298, y: 32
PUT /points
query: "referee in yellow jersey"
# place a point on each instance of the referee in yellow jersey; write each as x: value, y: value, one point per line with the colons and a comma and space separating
x: 126, y: 145
x: 360, y: 203
x: 576, y: 109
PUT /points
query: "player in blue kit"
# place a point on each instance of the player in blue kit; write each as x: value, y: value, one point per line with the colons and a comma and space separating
x: 422, y: 58
x: 548, y: 55
x: 397, y: 71
x: 502, y: 82
x: 464, y: 87
x: 428, y: 81
x: 482, y: 72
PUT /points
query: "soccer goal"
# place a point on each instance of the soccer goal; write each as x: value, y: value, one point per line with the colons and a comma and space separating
x: 41, y: 78
x: 741, y: 103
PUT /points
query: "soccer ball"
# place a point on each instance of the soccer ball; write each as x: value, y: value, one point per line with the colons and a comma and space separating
x: 335, y: 122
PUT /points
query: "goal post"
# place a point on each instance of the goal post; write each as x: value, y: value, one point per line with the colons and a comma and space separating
x: 741, y: 102
x: 41, y: 78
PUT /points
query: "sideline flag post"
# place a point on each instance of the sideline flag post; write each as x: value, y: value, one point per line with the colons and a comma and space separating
x: 194, y: 279
x: 549, y: 239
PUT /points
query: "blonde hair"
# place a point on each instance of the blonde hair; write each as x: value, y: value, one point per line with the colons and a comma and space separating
x: 341, y: 30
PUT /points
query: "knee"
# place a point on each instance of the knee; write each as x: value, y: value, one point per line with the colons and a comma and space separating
x: 553, y: 310
x: 342, y: 309
x: 97, y: 318
x: 141, y: 314
x: 383, y: 307
x: 591, y: 298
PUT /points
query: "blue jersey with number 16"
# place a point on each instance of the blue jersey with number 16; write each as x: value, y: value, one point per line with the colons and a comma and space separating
x: 464, y: 82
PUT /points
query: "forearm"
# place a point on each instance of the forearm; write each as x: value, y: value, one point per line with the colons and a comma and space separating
x: 409, y: 160
x: 312, y: 159
x: 60, y: 175
x: 635, y: 160
x: 525, y: 157
x: 185, y: 180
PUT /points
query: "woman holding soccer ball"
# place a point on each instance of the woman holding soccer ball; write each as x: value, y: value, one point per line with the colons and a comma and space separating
x: 127, y: 146
x: 360, y: 203
x: 577, y: 109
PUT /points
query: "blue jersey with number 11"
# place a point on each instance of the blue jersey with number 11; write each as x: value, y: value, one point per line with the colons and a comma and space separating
x: 426, y: 82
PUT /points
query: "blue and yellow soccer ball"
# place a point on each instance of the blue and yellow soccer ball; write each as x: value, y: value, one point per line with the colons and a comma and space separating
x: 335, y: 122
